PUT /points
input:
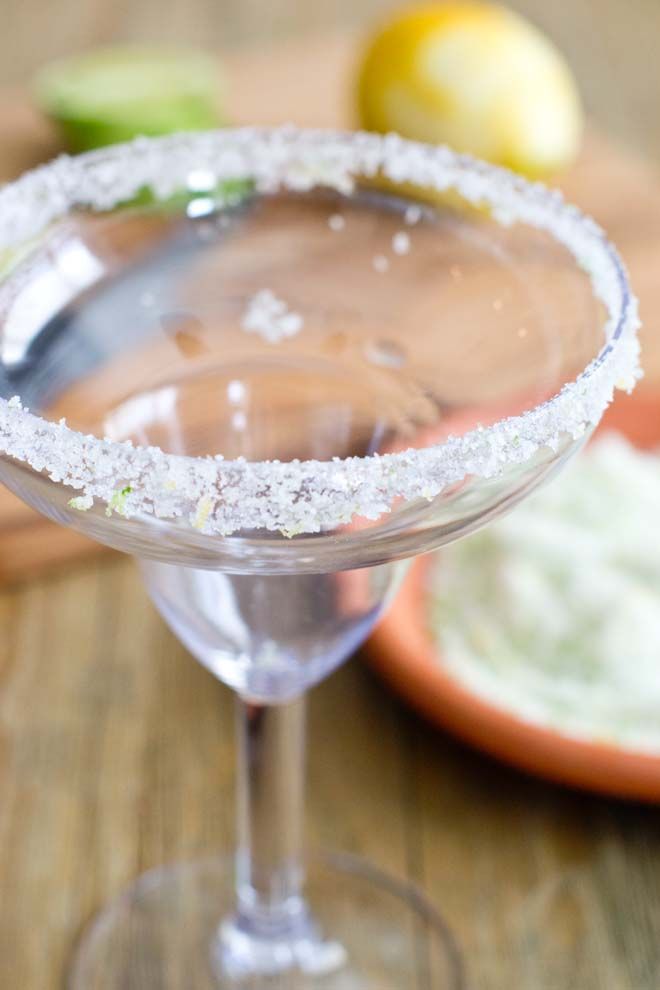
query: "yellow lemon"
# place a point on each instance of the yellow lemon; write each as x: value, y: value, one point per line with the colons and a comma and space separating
x: 477, y: 77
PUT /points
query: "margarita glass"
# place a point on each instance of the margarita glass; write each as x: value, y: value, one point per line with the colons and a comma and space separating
x: 273, y: 365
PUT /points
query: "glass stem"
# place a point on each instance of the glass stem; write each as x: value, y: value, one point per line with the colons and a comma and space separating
x: 269, y: 857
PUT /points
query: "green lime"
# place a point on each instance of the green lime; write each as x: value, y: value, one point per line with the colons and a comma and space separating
x: 114, y: 94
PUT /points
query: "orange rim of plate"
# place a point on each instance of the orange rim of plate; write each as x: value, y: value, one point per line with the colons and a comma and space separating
x: 403, y: 651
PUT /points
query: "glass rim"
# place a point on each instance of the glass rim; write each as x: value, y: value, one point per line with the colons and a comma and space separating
x: 218, y: 496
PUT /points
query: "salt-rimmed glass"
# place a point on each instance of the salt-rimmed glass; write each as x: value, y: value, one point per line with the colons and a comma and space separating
x: 272, y: 364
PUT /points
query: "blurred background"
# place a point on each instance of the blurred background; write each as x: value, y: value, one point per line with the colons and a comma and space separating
x: 611, y: 45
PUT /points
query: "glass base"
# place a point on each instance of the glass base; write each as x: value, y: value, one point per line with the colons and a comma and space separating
x: 166, y: 933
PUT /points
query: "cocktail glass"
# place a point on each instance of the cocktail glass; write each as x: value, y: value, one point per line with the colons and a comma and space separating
x: 273, y: 365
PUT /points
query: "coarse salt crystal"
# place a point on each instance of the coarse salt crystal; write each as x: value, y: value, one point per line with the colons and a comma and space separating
x: 412, y: 215
x: 336, y: 222
x: 270, y: 317
x: 401, y: 242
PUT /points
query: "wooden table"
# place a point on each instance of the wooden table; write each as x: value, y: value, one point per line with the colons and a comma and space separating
x: 116, y: 754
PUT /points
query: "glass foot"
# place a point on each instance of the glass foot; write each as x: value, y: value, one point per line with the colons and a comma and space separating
x: 166, y: 933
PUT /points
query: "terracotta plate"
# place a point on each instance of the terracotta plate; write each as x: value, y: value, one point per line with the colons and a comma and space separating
x: 402, y: 650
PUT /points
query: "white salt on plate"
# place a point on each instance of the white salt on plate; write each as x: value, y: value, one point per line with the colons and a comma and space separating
x: 553, y: 612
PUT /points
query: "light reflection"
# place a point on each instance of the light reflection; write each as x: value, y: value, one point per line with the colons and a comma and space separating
x: 63, y: 276
x: 137, y: 417
x: 200, y: 207
x: 235, y: 392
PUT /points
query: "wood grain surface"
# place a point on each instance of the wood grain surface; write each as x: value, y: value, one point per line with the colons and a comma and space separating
x: 116, y: 750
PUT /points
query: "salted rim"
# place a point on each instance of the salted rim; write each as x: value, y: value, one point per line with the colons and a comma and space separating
x: 219, y: 496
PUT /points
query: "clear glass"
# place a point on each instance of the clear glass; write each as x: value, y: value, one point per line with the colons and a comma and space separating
x: 394, y: 319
